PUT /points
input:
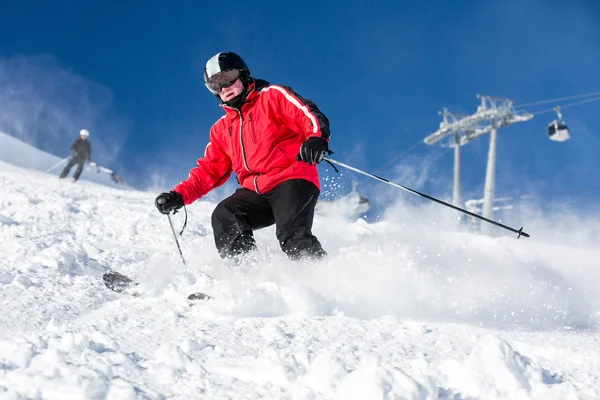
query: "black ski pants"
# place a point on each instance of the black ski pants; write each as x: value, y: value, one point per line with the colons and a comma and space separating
x: 290, y: 206
x: 72, y: 162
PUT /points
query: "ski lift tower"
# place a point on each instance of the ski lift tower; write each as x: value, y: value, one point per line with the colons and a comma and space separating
x: 492, y: 114
x: 504, y: 114
x: 455, y: 131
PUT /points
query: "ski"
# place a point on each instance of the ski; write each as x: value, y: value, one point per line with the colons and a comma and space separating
x: 197, y: 297
x: 120, y: 283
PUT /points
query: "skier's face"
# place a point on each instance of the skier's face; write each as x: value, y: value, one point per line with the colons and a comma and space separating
x: 230, y: 92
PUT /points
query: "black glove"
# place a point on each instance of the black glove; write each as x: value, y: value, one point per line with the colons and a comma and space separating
x: 313, y: 150
x: 167, y: 202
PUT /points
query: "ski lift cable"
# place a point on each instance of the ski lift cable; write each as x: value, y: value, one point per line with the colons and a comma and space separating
x: 579, y: 96
x: 578, y: 103
x: 398, y: 156
x: 580, y: 190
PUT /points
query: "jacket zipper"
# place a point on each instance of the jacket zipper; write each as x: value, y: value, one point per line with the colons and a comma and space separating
x: 244, y: 151
x: 242, y: 141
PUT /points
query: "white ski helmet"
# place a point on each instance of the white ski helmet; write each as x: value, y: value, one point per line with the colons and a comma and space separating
x: 84, y: 133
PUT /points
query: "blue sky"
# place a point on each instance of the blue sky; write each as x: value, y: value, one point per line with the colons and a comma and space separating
x: 131, y: 72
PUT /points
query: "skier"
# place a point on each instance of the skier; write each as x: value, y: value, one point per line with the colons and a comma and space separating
x: 272, y: 138
x: 81, y: 149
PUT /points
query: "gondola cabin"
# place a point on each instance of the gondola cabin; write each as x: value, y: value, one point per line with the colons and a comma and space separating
x: 558, y: 131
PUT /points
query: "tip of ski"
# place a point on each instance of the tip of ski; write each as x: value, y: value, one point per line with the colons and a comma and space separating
x: 198, y: 298
x: 120, y: 283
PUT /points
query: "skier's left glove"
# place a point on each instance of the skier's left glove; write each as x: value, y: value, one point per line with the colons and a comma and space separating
x: 167, y: 202
x: 313, y: 150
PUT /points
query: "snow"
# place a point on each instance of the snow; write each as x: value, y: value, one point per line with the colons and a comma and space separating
x: 405, y: 308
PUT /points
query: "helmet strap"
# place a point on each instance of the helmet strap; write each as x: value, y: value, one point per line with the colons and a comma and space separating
x: 245, y: 78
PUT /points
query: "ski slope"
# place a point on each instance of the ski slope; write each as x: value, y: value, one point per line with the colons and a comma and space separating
x: 16, y: 152
x: 406, y: 308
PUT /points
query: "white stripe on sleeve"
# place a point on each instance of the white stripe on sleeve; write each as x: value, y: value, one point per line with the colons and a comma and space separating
x: 295, y: 102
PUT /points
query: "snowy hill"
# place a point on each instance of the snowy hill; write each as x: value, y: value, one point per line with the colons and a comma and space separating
x: 16, y: 152
x: 406, y: 308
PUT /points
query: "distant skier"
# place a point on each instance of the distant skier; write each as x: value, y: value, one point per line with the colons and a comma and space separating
x: 273, y: 139
x: 81, y: 150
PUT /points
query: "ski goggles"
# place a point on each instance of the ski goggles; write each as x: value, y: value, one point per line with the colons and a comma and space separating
x: 223, y: 79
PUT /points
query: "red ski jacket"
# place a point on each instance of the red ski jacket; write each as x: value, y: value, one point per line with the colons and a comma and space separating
x: 259, y: 143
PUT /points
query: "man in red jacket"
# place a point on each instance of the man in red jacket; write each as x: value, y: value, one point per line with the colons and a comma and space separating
x: 272, y: 139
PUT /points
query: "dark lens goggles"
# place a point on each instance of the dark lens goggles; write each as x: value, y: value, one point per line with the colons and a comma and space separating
x: 223, y: 79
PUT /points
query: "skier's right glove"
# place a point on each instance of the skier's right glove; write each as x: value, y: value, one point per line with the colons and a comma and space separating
x: 169, y: 201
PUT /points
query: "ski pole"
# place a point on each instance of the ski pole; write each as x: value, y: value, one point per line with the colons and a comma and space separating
x: 56, y: 165
x: 519, y: 232
x: 176, y: 241
x: 179, y: 248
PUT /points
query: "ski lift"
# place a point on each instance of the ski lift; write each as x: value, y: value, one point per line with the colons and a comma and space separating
x: 557, y: 129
